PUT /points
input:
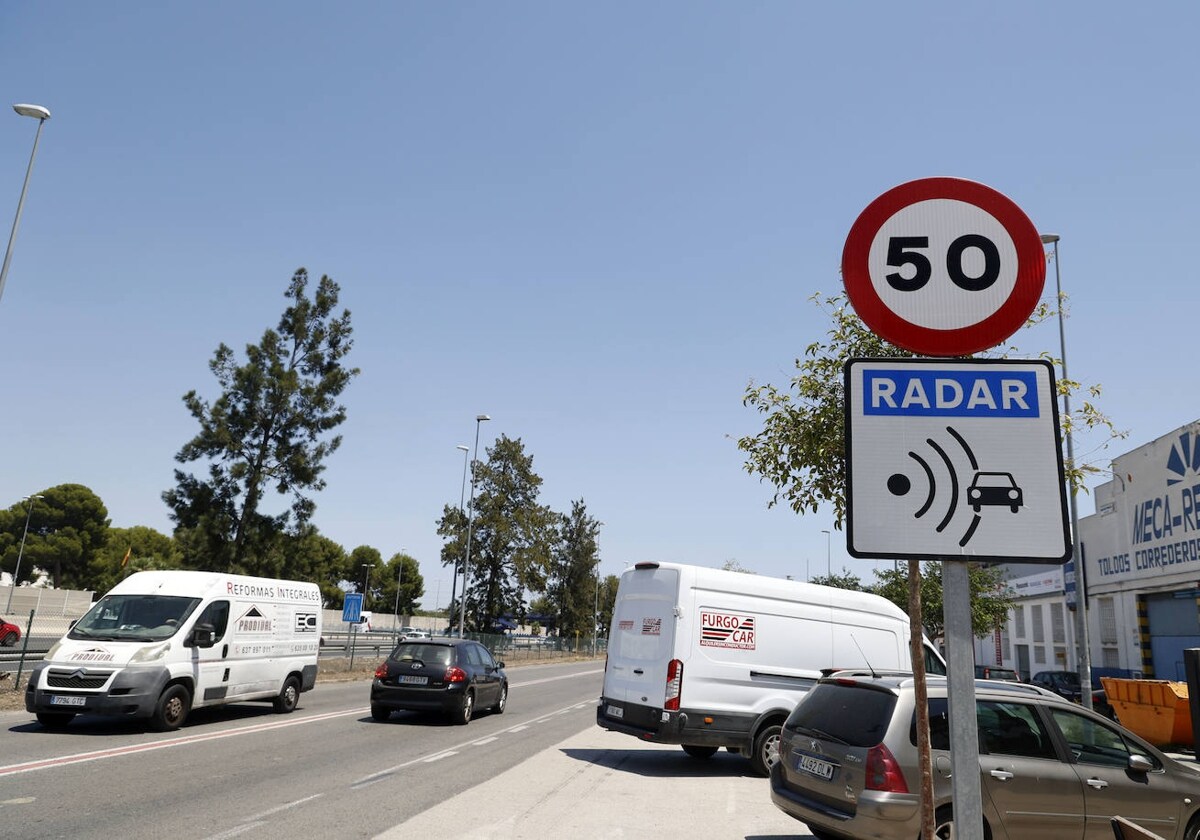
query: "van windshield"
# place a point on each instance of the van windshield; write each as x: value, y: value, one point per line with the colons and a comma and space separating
x: 134, y: 618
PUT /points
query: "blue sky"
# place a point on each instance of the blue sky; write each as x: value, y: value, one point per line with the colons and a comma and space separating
x: 593, y: 222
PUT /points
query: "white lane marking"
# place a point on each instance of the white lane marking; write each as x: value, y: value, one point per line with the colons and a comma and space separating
x: 382, y: 774
x: 285, y: 806
x: 440, y: 756
x: 131, y: 749
x: 79, y: 758
x: 485, y: 741
x: 560, y: 677
x: 236, y: 830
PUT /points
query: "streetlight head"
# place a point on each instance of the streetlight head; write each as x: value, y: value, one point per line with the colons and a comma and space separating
x: 35, y: 111
x: 463, y: 447
x: 482, y: 417
x: 1049, y: 238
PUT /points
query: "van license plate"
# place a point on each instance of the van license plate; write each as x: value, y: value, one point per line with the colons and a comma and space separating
x: 615, y: 712
x: 58, y: 700
x: 821, y: 769
x: 408, y: 679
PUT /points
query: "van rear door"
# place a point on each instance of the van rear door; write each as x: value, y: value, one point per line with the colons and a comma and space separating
x: 641, y: 644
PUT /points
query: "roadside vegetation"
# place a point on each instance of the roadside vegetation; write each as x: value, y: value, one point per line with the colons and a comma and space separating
x: 245, y: 495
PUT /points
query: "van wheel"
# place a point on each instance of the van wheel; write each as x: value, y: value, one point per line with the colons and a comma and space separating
x: 289, y: 695
x: 54, y: 720
x: 766, y: 750
x: 697, y: 751
x: 172, y: 709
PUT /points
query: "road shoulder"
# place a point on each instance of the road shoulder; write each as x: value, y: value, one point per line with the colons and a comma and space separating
x: 601, y: 784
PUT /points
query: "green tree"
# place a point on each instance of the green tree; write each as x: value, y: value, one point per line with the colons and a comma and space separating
x: 401, y: 576
x: 146, y: 548
x: 608, y: 601
x: 845, y: 580
x: 22, y: 520
x: 572, y: 585
x: 358, y: 575
x: 991, y: 597
x: 68, y: 526
x: 315, y: 557
x: 269, y: 428
x: 801, y: 447
x: 511, y: 535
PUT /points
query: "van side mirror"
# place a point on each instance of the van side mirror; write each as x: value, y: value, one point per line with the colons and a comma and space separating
x: 202, y: 636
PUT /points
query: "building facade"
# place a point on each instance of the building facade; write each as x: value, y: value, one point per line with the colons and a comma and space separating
x: 1140, y: 553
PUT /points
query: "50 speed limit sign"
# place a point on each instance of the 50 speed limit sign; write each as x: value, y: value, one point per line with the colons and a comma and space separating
x: 943, y: 266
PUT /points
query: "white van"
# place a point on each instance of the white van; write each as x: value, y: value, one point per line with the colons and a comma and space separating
x: 163, y: 643
x: 707, y: 658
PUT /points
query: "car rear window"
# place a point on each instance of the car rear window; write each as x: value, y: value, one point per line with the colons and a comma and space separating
x: 428, y: 654
x: 855, y: 715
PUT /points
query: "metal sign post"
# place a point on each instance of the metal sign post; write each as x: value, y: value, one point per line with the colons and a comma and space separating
x: 352, y: 614
x: 960, y: 679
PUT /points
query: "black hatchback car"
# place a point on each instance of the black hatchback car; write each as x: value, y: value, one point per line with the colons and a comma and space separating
x: 452, y: 676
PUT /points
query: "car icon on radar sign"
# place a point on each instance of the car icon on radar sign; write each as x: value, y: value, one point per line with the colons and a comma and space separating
x: 995, y: 488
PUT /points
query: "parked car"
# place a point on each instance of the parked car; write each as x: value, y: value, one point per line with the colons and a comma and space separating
x: 848, y: 765
x: 1066, y: 684
x: 1063, y: 683
x: 995, y: 672
x: 10, y: 633
x: 452, y: 676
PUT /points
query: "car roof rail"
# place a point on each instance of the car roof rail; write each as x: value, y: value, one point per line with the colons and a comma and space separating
x: 1017, y: 688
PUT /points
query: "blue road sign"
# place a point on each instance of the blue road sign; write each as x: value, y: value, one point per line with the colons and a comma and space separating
x: 352, y: 608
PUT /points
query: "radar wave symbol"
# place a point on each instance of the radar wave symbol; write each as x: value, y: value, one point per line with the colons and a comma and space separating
x: 900, y: 484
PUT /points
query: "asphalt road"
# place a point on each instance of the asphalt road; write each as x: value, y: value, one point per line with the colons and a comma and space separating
x: 542, y: 769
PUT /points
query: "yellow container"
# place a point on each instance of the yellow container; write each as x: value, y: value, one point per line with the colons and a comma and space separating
x: 1157, y: 710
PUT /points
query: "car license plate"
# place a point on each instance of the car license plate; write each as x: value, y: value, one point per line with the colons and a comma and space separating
x: 409, y: 679
x: 59, y: 700
x: 615, y: 712
x: 822, y: 769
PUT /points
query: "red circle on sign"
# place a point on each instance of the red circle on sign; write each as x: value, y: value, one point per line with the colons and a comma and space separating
x: 895, y: 327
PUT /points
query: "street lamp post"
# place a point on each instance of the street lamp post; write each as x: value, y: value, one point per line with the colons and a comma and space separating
x: 41, y: 115
x: 1081, y: 628
x: 462, y: 497
x: 396, y: 616
x: 366, y: 582
x: 596, y: 615
x: 828, y: 563
x: 21, y: 550
x: 462, y: 613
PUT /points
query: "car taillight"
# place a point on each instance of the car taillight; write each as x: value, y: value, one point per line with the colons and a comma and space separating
x: 883, y: 771
x: 381, y: 671
x: 455, y: 674
x: 674, y: 685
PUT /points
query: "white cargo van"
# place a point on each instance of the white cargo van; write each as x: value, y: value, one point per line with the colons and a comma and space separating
x: 707, y: 658
x: 162, y: 643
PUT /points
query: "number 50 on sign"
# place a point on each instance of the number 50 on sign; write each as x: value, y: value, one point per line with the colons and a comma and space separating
x: 943, y: 266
